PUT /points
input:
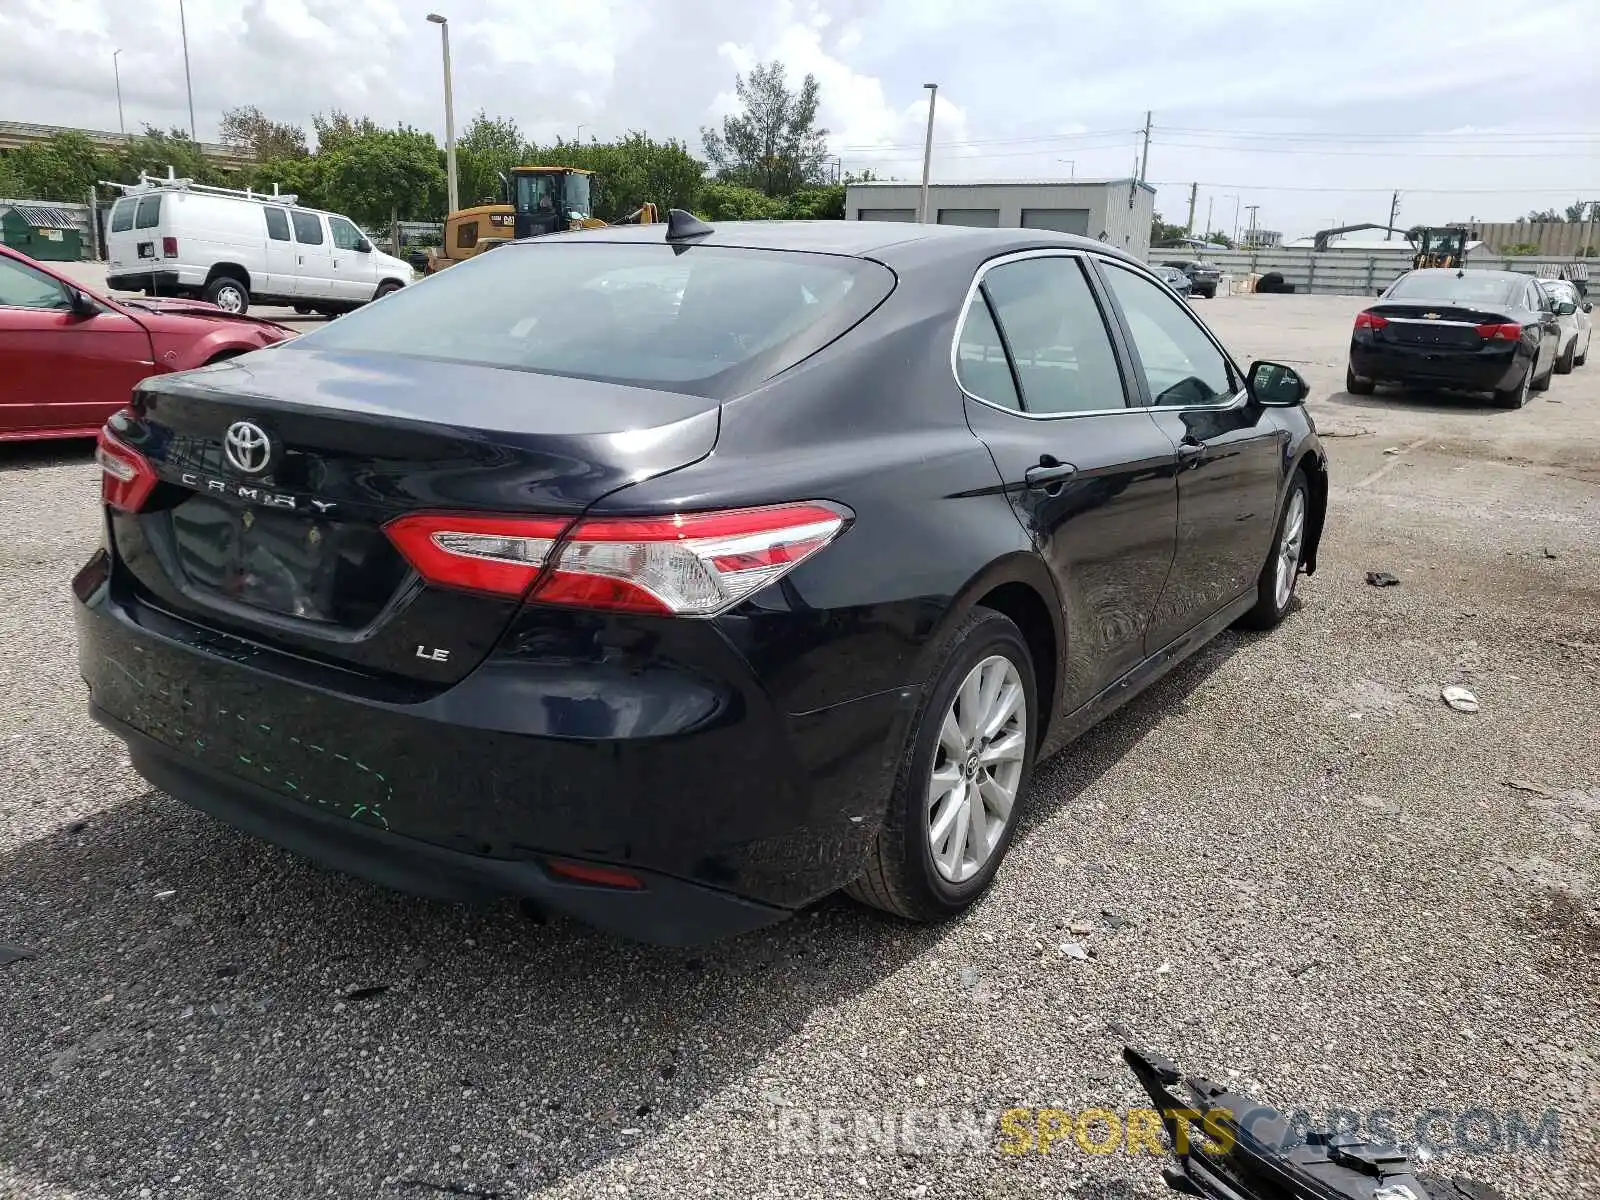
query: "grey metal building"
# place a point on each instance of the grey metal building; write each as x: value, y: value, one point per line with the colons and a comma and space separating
x: 1116, y: 211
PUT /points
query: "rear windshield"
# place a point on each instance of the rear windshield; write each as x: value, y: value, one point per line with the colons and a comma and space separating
x: 1448, y: 285
x: 706, y: 320
x: 122, y: 216
x: 149, y: 212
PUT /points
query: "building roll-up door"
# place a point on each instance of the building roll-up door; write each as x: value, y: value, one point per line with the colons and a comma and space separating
x: 1061, y: 220
x: 981, y: 218
x: 889, y: 214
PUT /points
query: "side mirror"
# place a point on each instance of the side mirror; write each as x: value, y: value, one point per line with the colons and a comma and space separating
x: 1277, y: 386
x: 1566, y: 308
x: 363, y: 247
x: 1588, y: 306
x: 80, y: 303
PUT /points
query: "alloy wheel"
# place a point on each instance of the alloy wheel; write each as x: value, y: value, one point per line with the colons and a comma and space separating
x: 229, y: 300
x: 977, y: 768
x: 1290, y: 545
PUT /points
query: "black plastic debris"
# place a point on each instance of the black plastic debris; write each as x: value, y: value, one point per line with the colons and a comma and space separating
x: 14, y: 954
x: 1229, y: 1146
x: 367, y: 993
x: 1382, y: 579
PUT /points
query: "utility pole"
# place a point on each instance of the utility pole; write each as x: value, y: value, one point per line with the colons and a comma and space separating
x: 183, y: 29
x: 1194, y: 194
x: 927, y: 154
x: 1144, y: 156
x: 1211, y: 203
x: 1252, y: 208
x: 1394, y: 213
x: 452, y: 199
x: 116, y: 73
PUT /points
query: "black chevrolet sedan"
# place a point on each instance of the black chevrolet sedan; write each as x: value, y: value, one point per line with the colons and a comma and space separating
x: 1469, y: 330
x: 673, y: 579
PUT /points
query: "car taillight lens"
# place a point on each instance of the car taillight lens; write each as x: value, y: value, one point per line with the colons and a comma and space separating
x: 1366, y: 320
x: 169, y: 247
x: 685, y: 564
x: 503, y: 555
x: 126, y: 476
x: 1500, y: 333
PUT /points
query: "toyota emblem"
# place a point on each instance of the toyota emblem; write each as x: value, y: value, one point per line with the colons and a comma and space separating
x: 247, y: 447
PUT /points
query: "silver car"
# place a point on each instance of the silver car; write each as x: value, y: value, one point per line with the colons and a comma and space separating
x: 1572, y: 311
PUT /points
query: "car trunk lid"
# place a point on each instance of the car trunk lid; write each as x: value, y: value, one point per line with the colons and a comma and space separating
x: 279, y: 472
x: 1442, y: 325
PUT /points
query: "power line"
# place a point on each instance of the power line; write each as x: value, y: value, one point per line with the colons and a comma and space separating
x: 1353, y: 137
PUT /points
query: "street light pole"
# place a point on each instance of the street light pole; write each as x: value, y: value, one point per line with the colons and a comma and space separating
x: 927, y: 154
x: 116, y: 72
x: 188, y: 82
x: 1072, y: 167
x: 449, y: 112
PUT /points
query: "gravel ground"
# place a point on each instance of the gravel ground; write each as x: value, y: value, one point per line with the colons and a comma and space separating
x: 1320, y: 877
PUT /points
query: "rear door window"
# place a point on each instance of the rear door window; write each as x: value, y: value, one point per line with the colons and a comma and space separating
x: 982, y: 367
x: 707, y: 320
x: 307, y: 228
x: 277, y: 224
x: 122, y: 216
x: 149, y: 214
x: 1060, y: 346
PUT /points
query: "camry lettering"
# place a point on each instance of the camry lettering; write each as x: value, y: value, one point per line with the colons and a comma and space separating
x: 250, y: 494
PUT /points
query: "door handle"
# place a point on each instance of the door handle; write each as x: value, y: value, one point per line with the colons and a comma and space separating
x: 1049, y: 475
x: 1191, y: 453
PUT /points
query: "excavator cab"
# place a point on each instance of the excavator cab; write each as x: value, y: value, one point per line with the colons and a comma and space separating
x: 1440, y: 248
x: 550, y: 199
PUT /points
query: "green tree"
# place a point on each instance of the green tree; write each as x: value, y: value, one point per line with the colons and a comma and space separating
x: 154, y: 151
x: 1543, y: 216
x: 817, y: 204
x: 63, y: 167
x: 629, y: 172
x: 1583, y: 210
x: 731, y: 202
x: 774, y: 144
x: 490, y: 147
x: 377, y: 174
x: 1217, y: 238
x: 338, y: 127
x: 251, y: 132
x: 1161, y: 232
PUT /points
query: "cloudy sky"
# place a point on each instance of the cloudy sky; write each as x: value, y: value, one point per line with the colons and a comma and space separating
x: 1311, y: 109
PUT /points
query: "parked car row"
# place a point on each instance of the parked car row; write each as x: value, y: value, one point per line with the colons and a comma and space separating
x: 1500, y: 332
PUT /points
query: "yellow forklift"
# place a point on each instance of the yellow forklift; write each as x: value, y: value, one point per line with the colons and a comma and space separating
x: 1446, y: 247
x: 538, y: 200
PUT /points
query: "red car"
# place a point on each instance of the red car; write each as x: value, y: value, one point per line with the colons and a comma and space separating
x: 69, y: 358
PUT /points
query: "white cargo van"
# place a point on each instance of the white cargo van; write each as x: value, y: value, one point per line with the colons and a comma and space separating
x: 173, y: 237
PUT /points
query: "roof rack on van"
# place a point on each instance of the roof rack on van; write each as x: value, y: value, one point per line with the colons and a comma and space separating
x: 153, y: 183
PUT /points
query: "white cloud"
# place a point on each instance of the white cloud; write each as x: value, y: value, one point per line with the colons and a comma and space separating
x: 1025, y: 85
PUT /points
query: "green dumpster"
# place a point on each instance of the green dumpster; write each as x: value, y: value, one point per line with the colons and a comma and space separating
x: 42, y: 232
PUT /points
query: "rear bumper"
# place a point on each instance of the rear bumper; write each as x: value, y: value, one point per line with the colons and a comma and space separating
x: 1480, y: 371
x: 732, y: 811
x: 664, y: 910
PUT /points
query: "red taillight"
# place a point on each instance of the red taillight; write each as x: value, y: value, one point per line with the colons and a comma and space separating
x: 503, y: 555
x: 686, y: 564
x: 1500, y: 333
x: 126, y: 476
x: 169, y: 247
x: 591, y: 873
x: 1367, y: 320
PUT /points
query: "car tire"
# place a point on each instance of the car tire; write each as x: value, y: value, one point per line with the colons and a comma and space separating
x: 228, y: 294
x: 1273, y: 599
x: 1517, y: 396
x: 303, y: 310
x: 1565, y: 362
x: 1356, y: 385
x: 1542, y: 384
x: 901, y: 874
x: 385, y: 289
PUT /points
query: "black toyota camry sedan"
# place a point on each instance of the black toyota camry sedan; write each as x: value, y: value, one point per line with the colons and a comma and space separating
x: 1468, y: 330
x: 673, y: 578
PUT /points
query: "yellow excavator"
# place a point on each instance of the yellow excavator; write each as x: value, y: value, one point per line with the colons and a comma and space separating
x: 538, y: 200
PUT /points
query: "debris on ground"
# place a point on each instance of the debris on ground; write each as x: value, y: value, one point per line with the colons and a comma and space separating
x: 1392, y: 450
x: 1382, y: 579
x: 1075, y: 950
x: 1459, y: 698
x: 14, y: 954
x: 1549, y: 553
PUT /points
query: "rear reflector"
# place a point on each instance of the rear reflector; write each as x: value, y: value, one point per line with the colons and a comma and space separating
x: 591, y: 873
x: 1367, y: 320
x: 1500, y: 333
x: 686, y: 564
x: 169, y: 247
x: 126, y: 476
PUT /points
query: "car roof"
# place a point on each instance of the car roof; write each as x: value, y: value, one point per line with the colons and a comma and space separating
x: 1508, y: 276
x: 861, y: 239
